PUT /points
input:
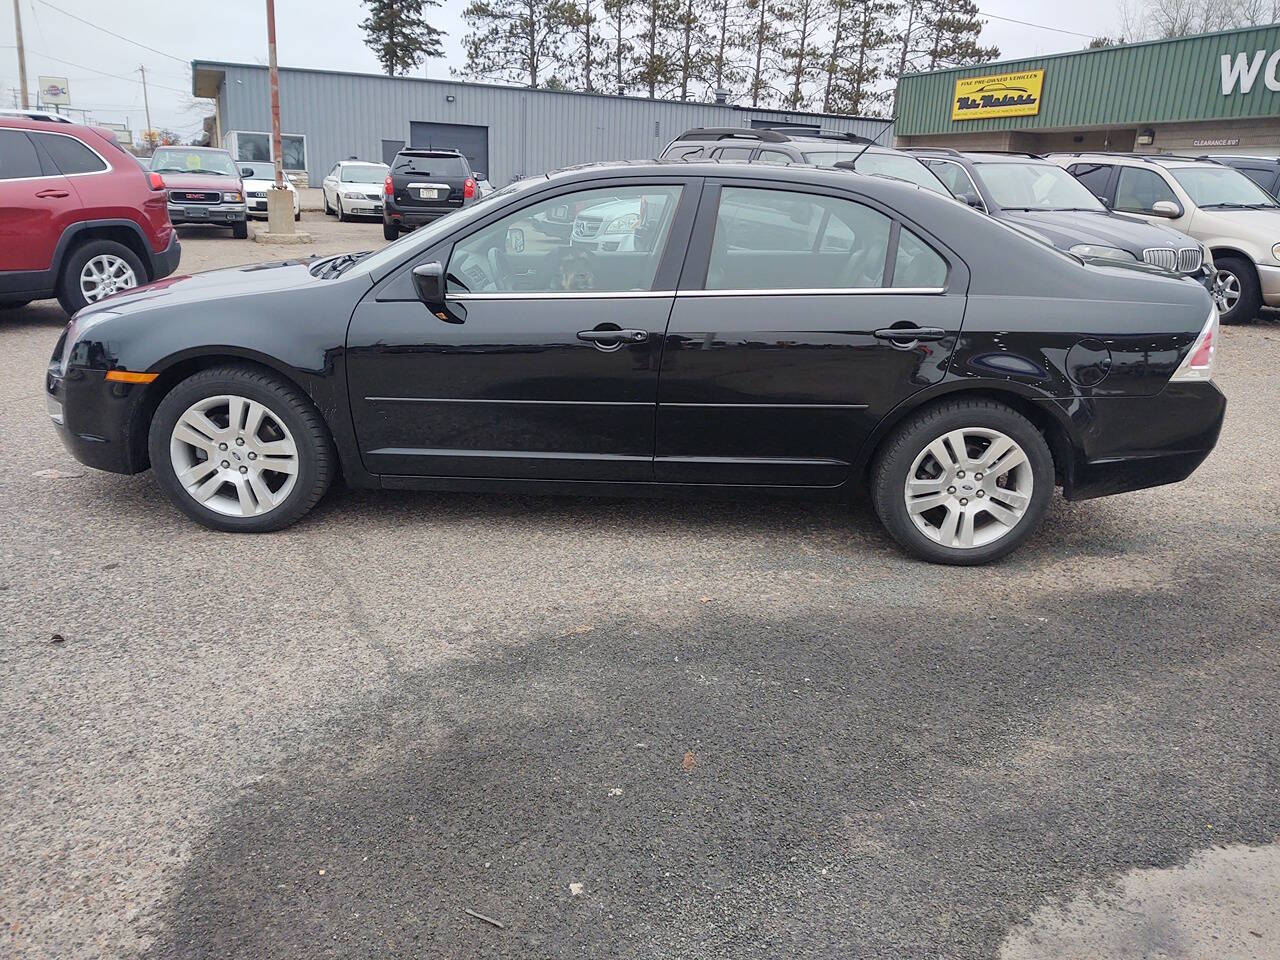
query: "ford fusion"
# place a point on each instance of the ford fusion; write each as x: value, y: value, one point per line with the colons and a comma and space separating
x: 792, y: 330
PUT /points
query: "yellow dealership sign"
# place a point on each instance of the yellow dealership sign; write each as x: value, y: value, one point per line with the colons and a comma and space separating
x: 1002, y: 95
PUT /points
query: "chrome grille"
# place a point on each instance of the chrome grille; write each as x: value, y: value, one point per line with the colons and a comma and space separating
x: 194, y: 196
x: 587, y: 226
x: 1186, y: 260
x: 257, y: 194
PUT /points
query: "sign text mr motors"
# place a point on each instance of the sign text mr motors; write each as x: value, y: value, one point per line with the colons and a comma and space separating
x: 1001, y: 95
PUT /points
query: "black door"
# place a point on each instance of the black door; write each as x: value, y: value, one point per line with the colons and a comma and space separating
x: 817, y: 316
x: 470, y: 140
x: 547, y: 364
x: 389, y: 150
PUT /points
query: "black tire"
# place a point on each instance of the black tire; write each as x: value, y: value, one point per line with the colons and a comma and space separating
x: 317, y: 460
x: 69, y: 293
x: 240, y: 230
x: 898, y: 452
x: 390, y: 231
x: 328, y: 210
x: 1250, y: 302
x: 297, y: 215
x: 342, y: 214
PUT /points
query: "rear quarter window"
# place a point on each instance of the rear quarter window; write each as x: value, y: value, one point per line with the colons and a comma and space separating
x: 69, y: 154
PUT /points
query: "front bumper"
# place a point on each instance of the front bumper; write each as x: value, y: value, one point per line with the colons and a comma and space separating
x: 223, y: 213
x: 362, y: 207
x: 96, y: 420
x: 1131, y: 443
x: 1269, y: 280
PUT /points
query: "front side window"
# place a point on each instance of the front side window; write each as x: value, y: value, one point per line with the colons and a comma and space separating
x: 779, y: 239
x: 614, y: 245
x: 1095, y: 176
x: 18, y: 157
x: 178, y: 160
x: 1036, y: 186
x: 1139, y: 190
x: 70, y: 155
x: 1220, y: 187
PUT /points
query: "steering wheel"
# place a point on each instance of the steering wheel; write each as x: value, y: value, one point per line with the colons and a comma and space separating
x: 499, y: 269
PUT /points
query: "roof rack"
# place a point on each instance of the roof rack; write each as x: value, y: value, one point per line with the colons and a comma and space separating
x: 1012, y: 153
x: 820, y: 134
x: 731, y: 133
x: 1238, y: 156
x: 1149, y: 157
x: 430, y: 151
x: 946, y: 151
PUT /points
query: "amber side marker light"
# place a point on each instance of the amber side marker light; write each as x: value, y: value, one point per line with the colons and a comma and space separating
x: 128, y: 376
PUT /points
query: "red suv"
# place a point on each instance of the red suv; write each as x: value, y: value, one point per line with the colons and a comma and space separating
x: 82, y: 220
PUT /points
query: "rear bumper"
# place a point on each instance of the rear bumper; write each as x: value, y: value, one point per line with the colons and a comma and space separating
x: 1269, y: 281
x: 222, y: 213
x: 166, y: 261
x: 413, y: 217
x: 94, y: 418
x: 1130, y: 443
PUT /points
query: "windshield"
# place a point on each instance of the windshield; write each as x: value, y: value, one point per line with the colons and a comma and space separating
x: 1036, y: 186
x: 423, y: 237
x: 216, y: 162
x: 261, y: 171
x: 366, y: 173
x: 445, y: 165
x: 1220, y: 187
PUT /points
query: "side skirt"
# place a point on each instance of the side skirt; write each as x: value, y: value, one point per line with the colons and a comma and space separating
x: 604, y: 488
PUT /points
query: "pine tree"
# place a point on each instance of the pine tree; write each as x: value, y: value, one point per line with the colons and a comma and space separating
x: 585, y: 50
x: 802, y: 21
x: 954, y: 29
x: 619, y: 47
x: 724, y: 21
x: 857, y: 59
x: 656, y: 65
x: 692, y: 44
x: 760, y: 40
x: 399, y: 35
x: 513, y: 40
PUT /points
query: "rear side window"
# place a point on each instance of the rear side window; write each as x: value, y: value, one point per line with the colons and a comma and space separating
x: 780, y: 240
x: 733, y: 153
x: 18, y: 158
x: 1138, y: 190
x: 431, y: 165
x: 685, y: 153
x: 70, y: 155
x: 776, y: 157
x: 917, y: 264
x: 1095, y: 176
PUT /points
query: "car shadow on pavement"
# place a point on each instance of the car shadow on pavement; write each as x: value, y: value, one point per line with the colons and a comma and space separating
x: 882, y: 782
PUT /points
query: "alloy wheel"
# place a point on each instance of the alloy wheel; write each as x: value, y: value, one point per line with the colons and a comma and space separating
x: 104, y: 275
x: 1226, y: 291
x: 234, y: 456
x: 969, y: 487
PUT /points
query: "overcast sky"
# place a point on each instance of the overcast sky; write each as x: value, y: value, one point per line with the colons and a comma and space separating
x: 103, y: 70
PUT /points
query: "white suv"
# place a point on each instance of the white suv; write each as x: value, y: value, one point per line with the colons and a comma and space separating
x: 1219, y: 206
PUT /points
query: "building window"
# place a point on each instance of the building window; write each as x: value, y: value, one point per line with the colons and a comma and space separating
x: 254, y: 147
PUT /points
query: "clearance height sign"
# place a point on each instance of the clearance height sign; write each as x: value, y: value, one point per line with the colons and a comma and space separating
x: 1001, y: 95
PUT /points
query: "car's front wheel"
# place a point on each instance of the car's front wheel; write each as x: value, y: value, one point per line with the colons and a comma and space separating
x: 240, y: 449
x: 963, y: 482
x: 342, y: 214
x: 241, y: 230
x: 328, y: 210
x: 1238, y: 293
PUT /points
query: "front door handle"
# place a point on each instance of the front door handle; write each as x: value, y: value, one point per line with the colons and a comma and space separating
x: 52, y: 194
x: 613, y: 336
x: 912, y: 335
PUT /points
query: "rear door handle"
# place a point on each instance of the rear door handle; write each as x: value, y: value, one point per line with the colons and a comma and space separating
x: 910, y: 334
x: 50, y: 194
x: 613, y: 336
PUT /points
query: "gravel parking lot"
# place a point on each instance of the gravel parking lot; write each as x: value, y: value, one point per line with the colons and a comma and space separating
x: 633, y: 728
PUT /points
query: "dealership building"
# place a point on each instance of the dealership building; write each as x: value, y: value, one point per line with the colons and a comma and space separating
x: 507, y: 132
x: 1216, y: 92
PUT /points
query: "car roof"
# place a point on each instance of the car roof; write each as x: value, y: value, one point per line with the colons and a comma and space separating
x: 361, y: 163
x: 1138, y: 159
x: 1251, y: 158
x: 769, y: 135
x: 427, y: 152
x: 44, y: 116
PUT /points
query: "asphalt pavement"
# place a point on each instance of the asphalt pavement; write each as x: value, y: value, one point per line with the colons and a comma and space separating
x: 630, y: 728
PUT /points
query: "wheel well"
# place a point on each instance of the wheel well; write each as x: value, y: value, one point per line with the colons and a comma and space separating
x: 1217, y: 252
x: 170, y: 377
x: 120, y: 234
x: 1055, y: 434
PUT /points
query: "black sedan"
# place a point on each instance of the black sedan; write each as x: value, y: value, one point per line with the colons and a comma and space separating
x: 784, y: 329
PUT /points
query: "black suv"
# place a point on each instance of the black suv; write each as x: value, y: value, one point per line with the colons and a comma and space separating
x: 816, y: 149
x: 1264, y: 171
x: 424, y: 185
x: 1029, y: 192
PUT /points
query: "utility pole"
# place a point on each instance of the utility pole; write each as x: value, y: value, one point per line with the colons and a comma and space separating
x: 22, y: 55
x: 280, y: 223
x: 146, y: 103
x: 276, y: 148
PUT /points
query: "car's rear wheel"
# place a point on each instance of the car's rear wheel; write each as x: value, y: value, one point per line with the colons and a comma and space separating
x: 95, y: 270
x: 963, y: 482
x: 241, y: 450
x: 1238, y: 293
x: 241, y: 230
x: 390, y: 231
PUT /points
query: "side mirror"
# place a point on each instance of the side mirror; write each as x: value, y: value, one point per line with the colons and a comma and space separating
x: 246, y: 172
x: 1166, y: 208
x: 428, y: 282
x: 515, y: 240
x: 973, y: 200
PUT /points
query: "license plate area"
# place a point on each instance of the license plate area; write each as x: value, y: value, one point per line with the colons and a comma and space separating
x: 197, y: 213
x: 428, y: 193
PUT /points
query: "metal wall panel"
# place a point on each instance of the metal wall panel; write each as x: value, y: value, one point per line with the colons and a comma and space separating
x: 530, y: 131
x: 1159, y: 82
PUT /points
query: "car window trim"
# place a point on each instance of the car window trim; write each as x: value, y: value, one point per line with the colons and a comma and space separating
x: 703, y: 236
x: 44, y: 156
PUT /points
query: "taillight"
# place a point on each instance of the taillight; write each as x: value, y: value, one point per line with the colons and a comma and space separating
x: 156, y: 181
x: 1198, y: 363
x: 388, y: 187
x: 468, y: 188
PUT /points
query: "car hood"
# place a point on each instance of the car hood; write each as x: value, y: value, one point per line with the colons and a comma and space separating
x: 199, y: 181
x: 225, y: 284
x: 255, y: 184
x: 1256, y: 230
x: 1064, y: 229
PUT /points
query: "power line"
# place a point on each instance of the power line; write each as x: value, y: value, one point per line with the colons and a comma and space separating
x: 115, y: 76
x: 118, y: 36
x: 1024, y: 23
